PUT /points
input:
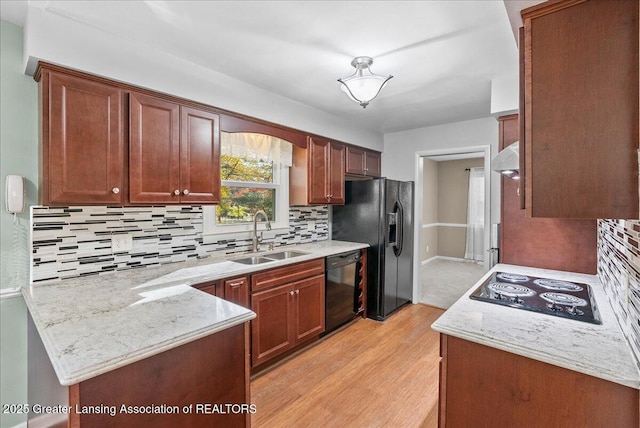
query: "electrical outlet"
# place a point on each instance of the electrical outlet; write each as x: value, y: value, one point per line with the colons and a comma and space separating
x: 121, y: 243
x: 625, y: 289
x: 311, y: 225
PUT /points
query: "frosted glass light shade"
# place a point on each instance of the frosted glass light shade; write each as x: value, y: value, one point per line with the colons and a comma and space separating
x: 363, y: 86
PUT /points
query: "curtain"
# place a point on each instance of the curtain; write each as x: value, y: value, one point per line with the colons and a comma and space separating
x: 256, y: 146
x: 475, y: 216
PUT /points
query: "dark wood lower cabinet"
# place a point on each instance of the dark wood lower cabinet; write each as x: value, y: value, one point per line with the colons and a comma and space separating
x: 482, y: 386
x: 204, y: 383
x: 287, y: 315
x: 236, y: 290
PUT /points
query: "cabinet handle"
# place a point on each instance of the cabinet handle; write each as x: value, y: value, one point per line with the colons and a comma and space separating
x: 185, y: 191
x: 235, y: 284
x: 291, y: 293
x: 115, y: 190
x: 176, y: 192
x: 297, y: 291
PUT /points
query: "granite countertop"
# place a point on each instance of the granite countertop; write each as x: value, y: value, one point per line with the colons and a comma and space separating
x: 597, y: 350
x: 92, y: 325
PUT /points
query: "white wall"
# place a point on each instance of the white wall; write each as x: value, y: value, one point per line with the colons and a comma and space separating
x: 398, y: 157
x: 18, y: 155
x: 62, y: 41
x: 505, y: 96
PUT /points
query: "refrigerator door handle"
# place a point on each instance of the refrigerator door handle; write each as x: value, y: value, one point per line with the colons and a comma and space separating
x: 399, y: 209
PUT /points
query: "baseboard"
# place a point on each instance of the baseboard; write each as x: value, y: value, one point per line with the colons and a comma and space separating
x: 453, y: 259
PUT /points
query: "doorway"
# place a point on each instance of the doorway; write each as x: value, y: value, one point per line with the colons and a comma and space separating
x: 452, y: 223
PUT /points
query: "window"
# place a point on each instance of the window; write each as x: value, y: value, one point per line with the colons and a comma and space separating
x: 254, y: 176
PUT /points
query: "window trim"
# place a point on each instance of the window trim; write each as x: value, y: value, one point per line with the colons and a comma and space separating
x: 280, y: 184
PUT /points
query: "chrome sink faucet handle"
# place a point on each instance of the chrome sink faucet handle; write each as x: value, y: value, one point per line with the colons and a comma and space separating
x: 255, y: 239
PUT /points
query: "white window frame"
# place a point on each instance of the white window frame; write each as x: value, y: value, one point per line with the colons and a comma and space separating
x: 281, y: 206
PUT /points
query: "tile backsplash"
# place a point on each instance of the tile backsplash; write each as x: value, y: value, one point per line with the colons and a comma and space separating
x: 619, y: 272
x: 69, y: 242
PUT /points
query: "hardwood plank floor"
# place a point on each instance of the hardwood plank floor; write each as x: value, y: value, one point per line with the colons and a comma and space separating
x: 370, y: 374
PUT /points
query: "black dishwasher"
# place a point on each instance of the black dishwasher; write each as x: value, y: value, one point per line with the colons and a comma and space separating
x: 343, y: 292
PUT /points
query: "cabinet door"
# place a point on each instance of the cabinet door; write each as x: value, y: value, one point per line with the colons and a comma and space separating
x: 336, y: 173
x: 309, y: 308
x: 272, y: 330
x: 581, y: 107
x: 154, y: 150
x: 362, y: 162
x: 318, y: 173
x: 355, y: 161
x: 82, y: 141
x: 236, y: 290
x: 212, y: 287
x: 199, y: 156
x: 373, y: 164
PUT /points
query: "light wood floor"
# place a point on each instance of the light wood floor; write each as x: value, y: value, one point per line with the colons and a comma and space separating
x: 370, y: 374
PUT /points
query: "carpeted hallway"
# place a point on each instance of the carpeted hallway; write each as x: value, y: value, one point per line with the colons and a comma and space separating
x: 445, y: 281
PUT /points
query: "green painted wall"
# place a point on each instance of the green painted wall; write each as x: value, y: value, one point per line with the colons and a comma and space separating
x: 18, y: 155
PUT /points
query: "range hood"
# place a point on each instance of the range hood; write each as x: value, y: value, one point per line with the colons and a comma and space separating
x: 507, y: 162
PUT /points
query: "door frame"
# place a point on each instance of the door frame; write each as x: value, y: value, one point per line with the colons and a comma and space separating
x: 484, y: 151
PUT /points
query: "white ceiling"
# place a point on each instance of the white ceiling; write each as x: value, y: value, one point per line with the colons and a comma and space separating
x: 442, y: 54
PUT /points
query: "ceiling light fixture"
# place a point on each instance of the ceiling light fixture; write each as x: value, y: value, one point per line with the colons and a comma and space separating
x: 363, y: 86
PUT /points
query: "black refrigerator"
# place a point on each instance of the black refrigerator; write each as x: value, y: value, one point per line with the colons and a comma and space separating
x: 379, y: 212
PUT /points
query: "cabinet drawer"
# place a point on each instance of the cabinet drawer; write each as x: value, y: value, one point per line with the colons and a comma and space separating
x: 236, y: 290
x: 283, y: 275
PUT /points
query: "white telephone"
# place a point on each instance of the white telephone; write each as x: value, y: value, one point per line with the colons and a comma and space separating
x: 14, y: 194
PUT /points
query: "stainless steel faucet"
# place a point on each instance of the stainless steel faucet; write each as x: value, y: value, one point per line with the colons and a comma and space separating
x: 255, y: 240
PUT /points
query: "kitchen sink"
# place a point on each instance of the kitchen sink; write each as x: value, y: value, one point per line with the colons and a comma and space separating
x: 254, y: 260
x: 282, y: 255
x: 285, y: 255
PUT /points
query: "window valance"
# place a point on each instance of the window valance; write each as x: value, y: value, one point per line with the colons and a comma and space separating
x: 256, y: 146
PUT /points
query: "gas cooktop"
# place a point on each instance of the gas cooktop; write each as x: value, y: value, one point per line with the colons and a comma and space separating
x: 548, y: 296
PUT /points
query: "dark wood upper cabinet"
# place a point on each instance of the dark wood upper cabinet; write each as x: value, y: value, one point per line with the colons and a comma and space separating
x: 81, y: 160
x: 581, y: 109
x: 317, y: 174
x: 336, y: 173
x: 566, y: 244
x: 111, y: 143
x: 154, y: 150
x: 362, y: 162
x: 199, y: 156
x: 174, y: 152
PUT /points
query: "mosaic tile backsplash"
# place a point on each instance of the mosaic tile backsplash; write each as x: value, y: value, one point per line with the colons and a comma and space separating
x: 69, y: 242
x: 619, y: 272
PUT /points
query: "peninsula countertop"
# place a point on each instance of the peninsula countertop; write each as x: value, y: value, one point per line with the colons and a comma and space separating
x: 597, y: 350
x: 92, y: 325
